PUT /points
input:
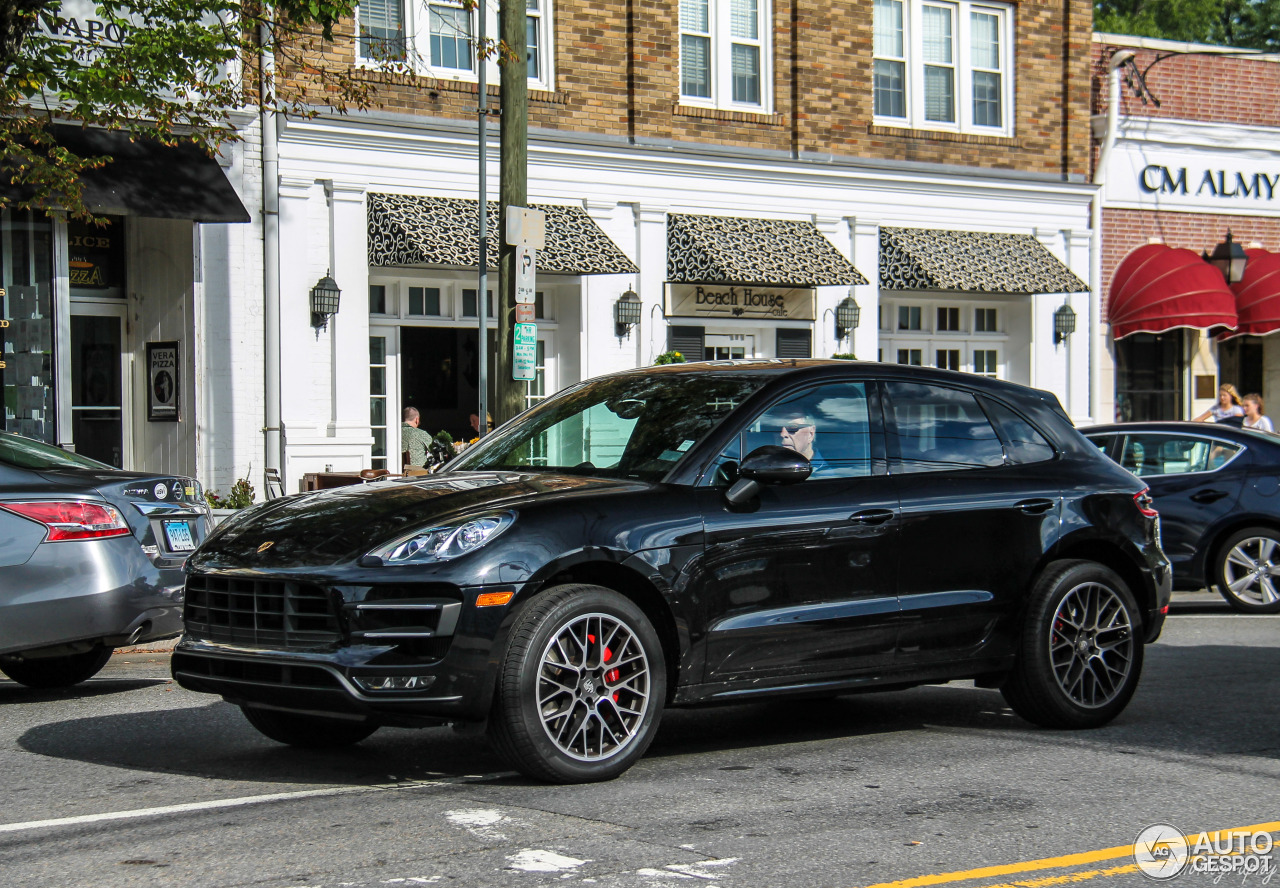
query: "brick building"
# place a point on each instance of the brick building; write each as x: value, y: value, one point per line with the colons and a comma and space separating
x: 1182, y: 174
x: 928, y: 159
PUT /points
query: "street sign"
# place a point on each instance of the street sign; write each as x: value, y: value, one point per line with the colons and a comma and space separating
x: 525, y: 352
x: 525, y: 313
x: 527, y: 227
x: 526, y: 268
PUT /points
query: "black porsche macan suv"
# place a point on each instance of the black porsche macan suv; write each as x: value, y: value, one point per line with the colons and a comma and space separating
x: 691, y: 534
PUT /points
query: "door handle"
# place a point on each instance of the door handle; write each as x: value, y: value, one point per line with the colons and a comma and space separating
x: 1034, y: 506
x: 871, y: 516
x: 1207, y: 496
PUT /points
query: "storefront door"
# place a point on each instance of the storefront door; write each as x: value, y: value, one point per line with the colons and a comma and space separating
x: 98, y: 393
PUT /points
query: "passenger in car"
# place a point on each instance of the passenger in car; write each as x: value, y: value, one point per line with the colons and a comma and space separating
x: 798, y: 432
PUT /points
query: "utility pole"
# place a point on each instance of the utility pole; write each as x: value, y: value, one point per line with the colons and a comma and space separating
x: 482, y: 218
x: 513, y: 191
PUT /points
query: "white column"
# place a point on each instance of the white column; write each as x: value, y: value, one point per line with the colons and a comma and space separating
x: 865, y: 235
x: 297, y: 339
x: 834, y: 229
x: 1080, y: 409
x: 350, y: 326
x: 651, y: 256
x: 603, y: 351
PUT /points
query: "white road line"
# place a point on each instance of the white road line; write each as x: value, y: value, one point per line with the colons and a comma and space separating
x: 215, y: 804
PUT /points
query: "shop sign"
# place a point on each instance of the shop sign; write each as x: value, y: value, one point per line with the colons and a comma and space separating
x: 78, y: 21
x: 163, y: 382
x: 524, y: 358
x: 96, y: 257
x: 1153, y: 178
x: 740, y: 301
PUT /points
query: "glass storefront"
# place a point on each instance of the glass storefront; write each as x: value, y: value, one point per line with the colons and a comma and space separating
x: 1150, y: 373
x: 26, y: 325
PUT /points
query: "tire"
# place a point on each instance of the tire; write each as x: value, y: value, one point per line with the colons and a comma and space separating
x: 57, y: 672
x: 593, y: 722
x: 307, y: 731
x: 1246, y: 571
x: 1080, y: 654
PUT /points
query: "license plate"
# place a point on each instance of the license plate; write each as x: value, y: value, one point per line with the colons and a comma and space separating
x: 178, y: 535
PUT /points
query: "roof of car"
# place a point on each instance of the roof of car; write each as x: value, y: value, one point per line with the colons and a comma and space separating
x: 820, y: 366
x: 1210, y: 429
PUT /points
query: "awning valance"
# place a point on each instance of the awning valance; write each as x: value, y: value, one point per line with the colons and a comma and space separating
x: 777, y: 252
x: 407, y: 229
x: 971, y: 262
x: 146, y: 178
x: 1258, y: 295
x: 1158, y: 288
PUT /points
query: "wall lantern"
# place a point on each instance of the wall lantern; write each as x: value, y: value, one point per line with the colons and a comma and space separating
x: 1229, y: 258
x: 848, y: 313
x: 324, y: 301
x: 1064, y: 323
x: 626, y: 312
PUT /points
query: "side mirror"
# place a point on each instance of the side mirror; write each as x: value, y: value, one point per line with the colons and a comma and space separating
x: 770, y: 464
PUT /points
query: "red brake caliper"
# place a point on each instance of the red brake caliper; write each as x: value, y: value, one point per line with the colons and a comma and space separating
x: 612, y: 675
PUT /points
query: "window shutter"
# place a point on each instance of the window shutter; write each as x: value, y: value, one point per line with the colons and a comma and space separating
x: 795, y: 343
x: 687, y: 341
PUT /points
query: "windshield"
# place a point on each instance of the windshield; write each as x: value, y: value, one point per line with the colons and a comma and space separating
x: 619, y: 427
x: 23, y: 453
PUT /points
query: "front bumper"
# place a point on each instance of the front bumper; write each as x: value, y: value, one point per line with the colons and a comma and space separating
x: 92, y: 591
x: 360, y: 671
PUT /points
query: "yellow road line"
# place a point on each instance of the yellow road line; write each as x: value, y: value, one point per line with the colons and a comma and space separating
x: 1063, y: 862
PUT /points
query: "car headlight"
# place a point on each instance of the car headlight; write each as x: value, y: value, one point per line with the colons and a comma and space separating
x: 440, y: 543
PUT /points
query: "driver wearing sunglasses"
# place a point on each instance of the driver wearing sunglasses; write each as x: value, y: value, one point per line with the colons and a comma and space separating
x: 797, y: 432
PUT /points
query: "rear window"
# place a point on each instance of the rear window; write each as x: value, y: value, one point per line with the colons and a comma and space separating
x: 941, y: 429
x: 1148, y: 455
x: 24, y: 453
x: 1026, y: 444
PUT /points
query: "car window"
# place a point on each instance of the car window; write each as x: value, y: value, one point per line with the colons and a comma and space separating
x: 1175, y: 454
x: 1026, y: 444
x: 830, y: 424
x: 24, y: 453
x: 1102, y: 442
x: 941, y: 429
x: 632, y: 426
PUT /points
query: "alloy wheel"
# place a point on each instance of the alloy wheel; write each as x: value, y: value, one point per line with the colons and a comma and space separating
x: 1249, y: 572
x: 1091, y: 645
x: 593, y: 687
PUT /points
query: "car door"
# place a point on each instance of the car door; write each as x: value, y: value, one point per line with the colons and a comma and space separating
x: 977, y: 515
x: 1194, y: 480
x: 800, y: 581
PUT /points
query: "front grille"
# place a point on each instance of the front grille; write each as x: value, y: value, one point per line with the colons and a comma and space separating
x: 270, y: 614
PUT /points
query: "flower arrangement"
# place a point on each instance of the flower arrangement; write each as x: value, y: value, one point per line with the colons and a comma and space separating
x: 669, y: 357
x: 240, y: 497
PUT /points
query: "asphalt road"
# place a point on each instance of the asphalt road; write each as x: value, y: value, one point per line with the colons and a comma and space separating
x: 130, y: 780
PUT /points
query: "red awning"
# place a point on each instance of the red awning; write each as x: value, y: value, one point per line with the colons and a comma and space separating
x: 1258, y: 294
x: 1159, y: 288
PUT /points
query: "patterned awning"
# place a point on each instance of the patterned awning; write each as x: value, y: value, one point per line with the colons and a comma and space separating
x: 971, y: 262
x: 727, y: 250
x: 440, y: 232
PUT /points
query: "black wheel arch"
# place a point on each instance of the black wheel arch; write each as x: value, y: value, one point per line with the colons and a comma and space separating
x: 607, y: 570
x: 1113, y: 556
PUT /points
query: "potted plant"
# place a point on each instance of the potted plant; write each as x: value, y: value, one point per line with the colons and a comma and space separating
x: 669, y: 357
x: 240, y: 497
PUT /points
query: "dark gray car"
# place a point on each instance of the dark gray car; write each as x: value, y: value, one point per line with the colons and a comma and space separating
x: 91, y: 559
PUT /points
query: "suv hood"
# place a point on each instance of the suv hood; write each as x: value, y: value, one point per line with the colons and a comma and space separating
x: 340, y: 525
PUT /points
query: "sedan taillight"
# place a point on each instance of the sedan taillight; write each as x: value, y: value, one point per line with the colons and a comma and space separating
x: 74, y: 520
x: 1142, y: 499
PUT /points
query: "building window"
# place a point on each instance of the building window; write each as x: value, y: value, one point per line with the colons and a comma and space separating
x: 377, y: 299
x: 912, y: 356
x: 947, y: 359
x: 378, y: 400
x: 382, y: 30
x: 943, y: 65
x: 985, y: 362
x: 908, y: 318
x: 984, y: 320
x: 437, y: 37
x: 725, y: 54
x: 948, y: 319
x: 424, y: 301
